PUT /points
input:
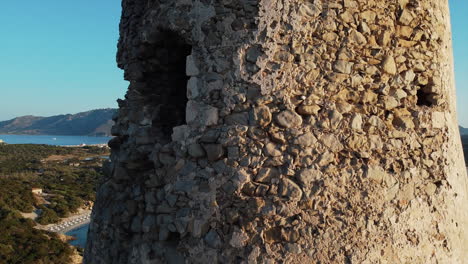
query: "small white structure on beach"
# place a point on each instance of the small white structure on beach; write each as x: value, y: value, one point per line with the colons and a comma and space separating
x: 36, y: 191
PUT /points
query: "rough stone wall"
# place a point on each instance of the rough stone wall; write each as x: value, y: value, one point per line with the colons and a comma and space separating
x: 286, y: 131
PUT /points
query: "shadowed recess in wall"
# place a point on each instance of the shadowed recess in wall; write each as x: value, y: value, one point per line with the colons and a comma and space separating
x: 425, y: 98
x: 168, y: 83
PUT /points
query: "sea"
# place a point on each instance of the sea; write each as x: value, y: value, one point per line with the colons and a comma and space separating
x: 54, y: 140
x: 80, y: 235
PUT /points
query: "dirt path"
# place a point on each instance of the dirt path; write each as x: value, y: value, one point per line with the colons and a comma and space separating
x: 31, y: 216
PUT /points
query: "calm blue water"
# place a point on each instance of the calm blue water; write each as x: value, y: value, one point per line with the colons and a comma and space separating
x: 54, y: 140
x: 80, y: 233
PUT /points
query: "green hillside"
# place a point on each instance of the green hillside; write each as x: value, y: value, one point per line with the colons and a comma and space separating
x: 67, y: 175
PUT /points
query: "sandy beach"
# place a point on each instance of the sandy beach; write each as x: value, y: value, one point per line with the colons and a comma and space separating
x: 69, y: 223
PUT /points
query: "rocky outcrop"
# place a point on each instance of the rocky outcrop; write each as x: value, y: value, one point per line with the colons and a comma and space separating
x: 284, y: 132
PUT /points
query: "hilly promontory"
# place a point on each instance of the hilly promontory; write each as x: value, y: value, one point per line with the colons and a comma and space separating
x: 91, y: 123
x: 463, y: 131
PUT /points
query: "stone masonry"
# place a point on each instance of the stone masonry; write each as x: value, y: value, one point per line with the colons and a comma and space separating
x: 284, y: 131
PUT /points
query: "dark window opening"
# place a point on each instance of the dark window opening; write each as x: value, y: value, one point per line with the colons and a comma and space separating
x: 169, y: 83
x: 424, y: 98
x: 173, y: 237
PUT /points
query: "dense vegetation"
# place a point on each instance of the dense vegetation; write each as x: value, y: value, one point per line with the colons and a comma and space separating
x: 23, y: 167
x: 20, y: 243
x: 68, y: 177
x: 16, y: 194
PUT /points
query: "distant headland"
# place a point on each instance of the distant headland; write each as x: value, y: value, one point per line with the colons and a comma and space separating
x: 91, y: 123
x: 463, y: 131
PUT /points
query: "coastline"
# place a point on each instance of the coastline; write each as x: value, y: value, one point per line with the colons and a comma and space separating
x: 104, y: 145
x: 77, y: 226
x: 70, y: 223
x: 56, y: 140
x: 78, y: 236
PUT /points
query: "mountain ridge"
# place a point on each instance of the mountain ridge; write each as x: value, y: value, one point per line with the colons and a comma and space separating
x: 96, y: 122
x: 463, y: 131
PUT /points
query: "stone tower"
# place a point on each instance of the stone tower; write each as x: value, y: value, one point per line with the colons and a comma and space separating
x: 284, y: 131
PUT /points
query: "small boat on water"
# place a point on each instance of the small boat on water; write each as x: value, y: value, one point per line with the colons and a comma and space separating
x: 54, y: 138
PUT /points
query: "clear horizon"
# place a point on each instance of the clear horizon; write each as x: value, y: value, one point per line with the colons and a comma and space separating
x: 74, y: 113
x: 58, y: 57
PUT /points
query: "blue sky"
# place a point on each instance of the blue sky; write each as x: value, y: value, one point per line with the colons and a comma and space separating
x: 459, y: 18
x: 58, y: 56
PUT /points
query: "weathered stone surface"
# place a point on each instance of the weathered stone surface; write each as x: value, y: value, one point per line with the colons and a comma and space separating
x: 310, y: 10
x: 305, y: 140
x: 332, y: 142
x: 326, y: 158
x: 399, y: 94
x: 289, y: 119
x: 438, y: 119
x: 191, y: 69
x: 357, y: 37
x: 293, y: 248
x: 356, y: 122
x: 213, y: 151
x: 262, y: 115
x: 212, y: 239
x: 237, y: 119
x: 272, y: 150
x: 406, y: 17
x: 283, y: 132
x: 238, y: 239
x: 149, y: 223
x: 120, y: 173
x: 272, y: 235
x: 405, y: 122
x: 266, y: 175
x: 308, y: 109
x: 290, y: 189
x: 196, y: 151
x: 193, y: 90
x: 253, y: 53
x: 389, y: 65
x: 343, y: 66
x: 201, y: 114
x: 384, y: 38
x: 329, y: 36
x: 307, y: 176
x: 390, y: 102
x: 180, y: 133
x: 376, y: 174
x: 136, y: 225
